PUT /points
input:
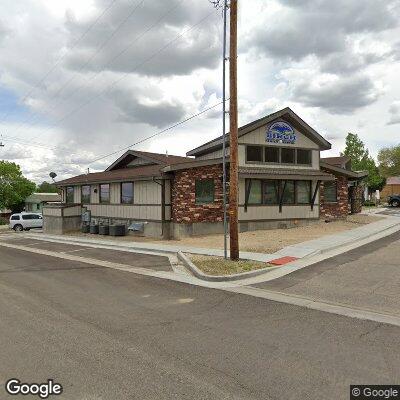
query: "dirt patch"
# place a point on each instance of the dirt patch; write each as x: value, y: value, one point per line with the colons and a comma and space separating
x: 263, y: 241
x: 219, y: 266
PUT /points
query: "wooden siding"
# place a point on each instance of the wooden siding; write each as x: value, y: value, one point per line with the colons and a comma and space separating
x: 145, y: 213
x: 51, y: 212
x: 389, y: 190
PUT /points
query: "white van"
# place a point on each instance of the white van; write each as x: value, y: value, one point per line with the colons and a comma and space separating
x: 26, y: 221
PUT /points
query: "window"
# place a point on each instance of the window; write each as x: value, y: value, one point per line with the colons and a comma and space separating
x: 270, y: 192
x: 330, y: 192
x: 105, y: 193
x: 70, y: 194
x: 15, y: 218
x: 85, y: 194
x: 255, y: 192
x: 254, y: 153
x: 127, y: 193
x: 303, y: 192
x: 38, y: 207
x: 288, y: 194
x: 204, y: 191
x: 287, y: 156
x: 30, y: 216
x: 303, y: 156
x: 272, y: 154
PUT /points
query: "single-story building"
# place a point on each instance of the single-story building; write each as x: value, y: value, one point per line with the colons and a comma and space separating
x: 36, y: 201
x: 392, y: 187
x: 283, y: 182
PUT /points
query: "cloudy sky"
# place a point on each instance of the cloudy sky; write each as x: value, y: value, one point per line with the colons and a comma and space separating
x: 80, y: 79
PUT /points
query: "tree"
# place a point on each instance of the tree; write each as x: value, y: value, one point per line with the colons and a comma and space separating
x: 14, y: 187
x: 389, y: 161
x: 46, y: 187
x: 362, y: 161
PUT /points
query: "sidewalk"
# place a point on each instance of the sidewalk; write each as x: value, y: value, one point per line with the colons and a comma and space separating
x: 300, y: 250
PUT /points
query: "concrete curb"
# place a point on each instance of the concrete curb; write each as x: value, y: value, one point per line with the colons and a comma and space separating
x: 185, y: 260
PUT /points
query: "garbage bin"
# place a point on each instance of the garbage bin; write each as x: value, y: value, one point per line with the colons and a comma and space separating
x: 117, y: 230
x: 104, y: 229
x: 85, y: 228
x: 94, y: 229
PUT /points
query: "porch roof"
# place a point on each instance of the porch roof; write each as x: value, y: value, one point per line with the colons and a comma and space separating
x: 280, y: 173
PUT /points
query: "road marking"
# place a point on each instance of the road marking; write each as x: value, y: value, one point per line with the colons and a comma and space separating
x: 279, y: 297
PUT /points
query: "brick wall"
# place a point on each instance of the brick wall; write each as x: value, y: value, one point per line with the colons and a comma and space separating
x: 340, y: 209
x: 184, y: 207
x: 357, y: 198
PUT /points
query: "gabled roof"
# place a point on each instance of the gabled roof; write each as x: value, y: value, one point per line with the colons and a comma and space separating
x: 341, y: 161
x: 154, y: 158
x: 286, y: 113
x: 43, y: 197
x: 393, y: 180
x: 352, y: 175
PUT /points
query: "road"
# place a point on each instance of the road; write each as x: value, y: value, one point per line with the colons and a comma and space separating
x: 109, y: 334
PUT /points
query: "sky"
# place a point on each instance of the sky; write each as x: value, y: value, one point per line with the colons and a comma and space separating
x: 81, y: 79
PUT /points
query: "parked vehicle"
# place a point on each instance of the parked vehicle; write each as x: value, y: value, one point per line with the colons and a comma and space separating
x: 26, y: 221
x: 394, y: 200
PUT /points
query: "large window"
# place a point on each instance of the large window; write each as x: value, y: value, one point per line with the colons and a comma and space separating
x: 127, y: 193
x: 270, y: 192
x: 303, y: 191
x: 85, y: 194
x: 105, y: 193
x: 272, y: 154
x: 255, y: 194
x: 254, y: 153
x: 287, y: 156
x: 69, y: 195
x: 205, y: 191
x: 330, y: 192
x: 289, y: 193
x: 303, y: 156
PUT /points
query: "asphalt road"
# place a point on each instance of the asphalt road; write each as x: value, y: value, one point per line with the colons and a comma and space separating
x: 367, y: 277
x: 107, y: 334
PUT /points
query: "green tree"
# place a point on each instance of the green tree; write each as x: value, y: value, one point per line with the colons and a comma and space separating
x: 389, y: 161
x: 362, y: 161
x: 46, y: 187
x: 14, y: 187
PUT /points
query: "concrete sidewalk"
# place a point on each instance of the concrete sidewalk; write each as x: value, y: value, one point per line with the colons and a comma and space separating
x: 301, y: 250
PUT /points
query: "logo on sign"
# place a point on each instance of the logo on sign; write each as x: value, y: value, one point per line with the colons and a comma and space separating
x: 280, y: 132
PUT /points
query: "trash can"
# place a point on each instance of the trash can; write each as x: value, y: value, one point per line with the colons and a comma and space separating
x: 104, y: 229
x: 94, y: 229
x: 85, y: 228
x: 117, y: 230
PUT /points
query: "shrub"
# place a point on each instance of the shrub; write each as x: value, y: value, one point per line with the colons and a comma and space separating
x: 3, y: 221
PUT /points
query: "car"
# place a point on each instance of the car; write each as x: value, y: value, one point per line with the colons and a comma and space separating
x: 26, y: 221
x: 394, y: 200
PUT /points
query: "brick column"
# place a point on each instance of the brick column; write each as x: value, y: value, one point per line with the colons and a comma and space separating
x: 340, y: 208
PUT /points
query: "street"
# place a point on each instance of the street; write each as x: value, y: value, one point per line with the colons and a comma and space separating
x: 108, y: 334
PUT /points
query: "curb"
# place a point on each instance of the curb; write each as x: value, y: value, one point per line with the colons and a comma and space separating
x: 219, y: 278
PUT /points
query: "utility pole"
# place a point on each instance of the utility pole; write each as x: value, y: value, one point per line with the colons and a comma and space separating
x: 233, y: 113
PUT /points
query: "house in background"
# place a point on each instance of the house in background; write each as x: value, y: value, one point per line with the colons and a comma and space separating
x: 282, y: 183
x: 36, y: 201
x: 5, y: 213
x: 392, y: 187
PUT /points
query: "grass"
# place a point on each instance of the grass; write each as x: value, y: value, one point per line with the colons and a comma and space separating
x: 219, y: 266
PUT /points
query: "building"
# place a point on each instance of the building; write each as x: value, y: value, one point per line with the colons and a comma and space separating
x: 282, y: 183
x: 392, y: 187
x: 36, y: 201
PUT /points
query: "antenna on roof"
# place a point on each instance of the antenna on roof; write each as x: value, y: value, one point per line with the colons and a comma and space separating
x: 1, y: 141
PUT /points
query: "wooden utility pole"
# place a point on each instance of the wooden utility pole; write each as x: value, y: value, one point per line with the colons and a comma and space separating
x: 233, y: 113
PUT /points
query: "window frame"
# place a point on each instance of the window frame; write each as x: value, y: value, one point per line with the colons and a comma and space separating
x: 66, y: 194
x: 297, y: 192
x: 109, y: 194
x: 294, y: 150
x: 278, y: 149
x: 335, y: 182
x: 198, y: 181
x: 261, y: 148
x: 309, y: 151
x: 133, y: 193
x: 90, y: 194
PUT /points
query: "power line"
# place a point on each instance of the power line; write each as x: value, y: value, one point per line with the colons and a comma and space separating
x: 112, y: 59
x: 160, y: 50
x: 157, y: 133
x: 103, y: 44
x: 48, y: 73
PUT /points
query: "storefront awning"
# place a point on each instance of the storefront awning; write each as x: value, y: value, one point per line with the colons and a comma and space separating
x: 284, y: 174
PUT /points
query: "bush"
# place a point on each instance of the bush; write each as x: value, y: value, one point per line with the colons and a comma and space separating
x: 369, y: 203
x: 3, y: 221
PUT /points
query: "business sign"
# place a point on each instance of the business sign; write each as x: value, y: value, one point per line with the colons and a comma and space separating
x: 280, y: 132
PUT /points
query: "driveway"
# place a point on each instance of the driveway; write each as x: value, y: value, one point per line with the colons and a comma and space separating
x: 109, y: 334
x: 367, y: 277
